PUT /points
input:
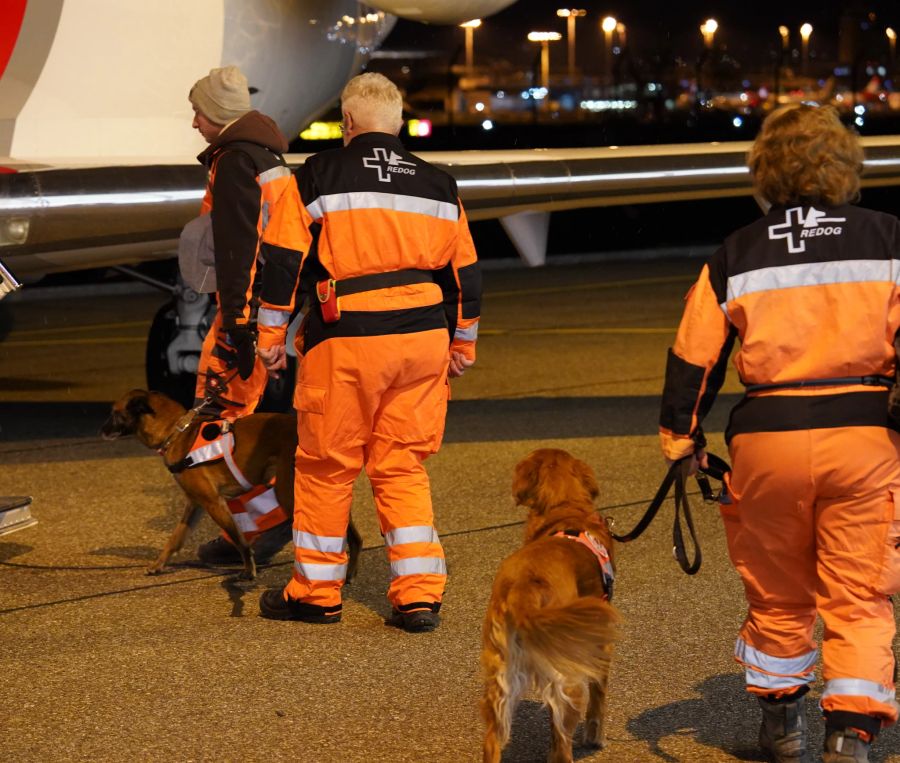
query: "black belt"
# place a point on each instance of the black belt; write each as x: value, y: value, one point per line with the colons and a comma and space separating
x: 869, y: 381
x: 382, y: 281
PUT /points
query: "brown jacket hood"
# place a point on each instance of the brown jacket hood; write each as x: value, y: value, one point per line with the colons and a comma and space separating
x: 253, y: 127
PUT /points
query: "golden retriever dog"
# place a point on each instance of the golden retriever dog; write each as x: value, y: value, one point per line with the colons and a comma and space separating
x: 264, y: 449
x: 549, y: 626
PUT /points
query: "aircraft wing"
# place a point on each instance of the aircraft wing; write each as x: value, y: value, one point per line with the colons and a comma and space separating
x: 60, y: 219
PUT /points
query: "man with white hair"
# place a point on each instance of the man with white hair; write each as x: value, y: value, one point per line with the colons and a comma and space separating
x: 397, y: 299
x: 250, y: 196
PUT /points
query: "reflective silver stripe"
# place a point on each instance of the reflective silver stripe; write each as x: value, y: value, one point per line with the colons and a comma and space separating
x: 765, y: 681
x: 413, y: 534
x: 341, y: 202
x: 244, y: 522
x: 233, y: 467
x: 419, y: 565
x: 812, y: 274
x: 269, y: 175
x: 325, y: 543
x: 268, y: 317
x: 321, y: 571
x: 467, y: 335
x: 859, y: 687
x: 262, y: 504
x: 215, y: 449
x: 780, y: 666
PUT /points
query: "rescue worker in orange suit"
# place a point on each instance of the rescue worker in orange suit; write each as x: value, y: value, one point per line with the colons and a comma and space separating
x: 812, y: 507
x: 249, y: 186
x: 393, y: 270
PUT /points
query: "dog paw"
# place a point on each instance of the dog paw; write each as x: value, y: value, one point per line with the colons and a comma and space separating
x: 154, y: 569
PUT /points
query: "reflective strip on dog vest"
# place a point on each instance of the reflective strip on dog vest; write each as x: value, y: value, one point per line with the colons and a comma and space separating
x: 312, y: 571
x: 413, y: 534
x: 859, y: 687
x: 325, y: 543
x: 233, y: 467
x: 770, y: 672
x: 256, y: 510
x: 222, y: 447
x: 597, y: 549
x: 419, y: 565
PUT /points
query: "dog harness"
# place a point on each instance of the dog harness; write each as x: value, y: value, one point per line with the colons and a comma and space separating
x: 214, y: 442
x: 598, y: 550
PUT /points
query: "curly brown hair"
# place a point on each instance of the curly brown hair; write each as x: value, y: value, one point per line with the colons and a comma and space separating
x: 804, y: 152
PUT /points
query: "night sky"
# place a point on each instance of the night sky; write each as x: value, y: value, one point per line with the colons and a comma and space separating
x: 746, y: 29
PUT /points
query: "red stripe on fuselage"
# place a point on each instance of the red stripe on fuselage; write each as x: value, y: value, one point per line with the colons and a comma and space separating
x: 11, y: 14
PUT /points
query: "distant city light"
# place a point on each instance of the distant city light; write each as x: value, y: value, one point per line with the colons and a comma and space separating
x: 805, y: 31
x: 859, y: 121
x: 479, y: 106
x: 544, y: 36
x: 487, y: 124
x: 564, y: 13
x: 419, y: 128
x: 609, y: 105
x: 322, y: 131
x: 859, y: 109
x: 737, y: 122
x: 609, y: 24
x: 473, y: 24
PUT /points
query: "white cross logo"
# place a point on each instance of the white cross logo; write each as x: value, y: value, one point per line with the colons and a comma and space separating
x: 793, y: 219
x: 383, y: 162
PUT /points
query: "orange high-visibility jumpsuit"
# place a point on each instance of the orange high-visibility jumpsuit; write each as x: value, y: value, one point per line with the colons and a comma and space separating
x: 372, y: 387
x: 259, y: 238
x: 812, y: 512
x: 250, y: 193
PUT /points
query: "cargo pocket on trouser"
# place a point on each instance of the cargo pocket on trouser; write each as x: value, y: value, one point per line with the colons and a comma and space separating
x: 310, y: 404
x: 889, y: 578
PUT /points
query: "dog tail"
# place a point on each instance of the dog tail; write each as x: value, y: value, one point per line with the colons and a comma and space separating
x: 573, y: 639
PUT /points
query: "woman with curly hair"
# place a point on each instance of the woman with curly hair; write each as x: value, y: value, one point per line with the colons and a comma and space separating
x: 812, y: 508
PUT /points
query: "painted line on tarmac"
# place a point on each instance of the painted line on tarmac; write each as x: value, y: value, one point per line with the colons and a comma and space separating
x: 591, y: 286
x: 226, y: 573
x: 575, y: 331
x: 86, y: 327
x: 85, y: 340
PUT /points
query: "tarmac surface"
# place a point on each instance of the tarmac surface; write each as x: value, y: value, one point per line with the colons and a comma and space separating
x: 102, y: 663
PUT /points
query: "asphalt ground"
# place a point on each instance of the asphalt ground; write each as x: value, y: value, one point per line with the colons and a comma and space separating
x: 101, y: 663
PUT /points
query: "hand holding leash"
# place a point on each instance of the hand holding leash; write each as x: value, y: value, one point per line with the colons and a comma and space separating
x: 273, y: 358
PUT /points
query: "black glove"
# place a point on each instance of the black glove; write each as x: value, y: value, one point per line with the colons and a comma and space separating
x: 244, y: 343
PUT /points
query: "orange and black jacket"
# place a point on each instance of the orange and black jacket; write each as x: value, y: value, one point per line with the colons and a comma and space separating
x: 392, y: 232
x: 248, y: 191
x: 811, y: 293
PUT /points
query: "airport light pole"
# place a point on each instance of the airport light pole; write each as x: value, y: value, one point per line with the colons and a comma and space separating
x: 892, y: 43
x: 570, y: 14
x: 608, y: 25
x: 805, y: 32
x: 785, y: 39
x: 470, y: 27
x: 708, y: 30
x: 545, y: 38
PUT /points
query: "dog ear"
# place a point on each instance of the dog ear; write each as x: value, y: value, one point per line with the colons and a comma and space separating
x: 586, y: 476
x: 139, y: 405
x: 525, y: 479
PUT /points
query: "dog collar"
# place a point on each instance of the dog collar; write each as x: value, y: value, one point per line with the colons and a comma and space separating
x: 600, y: 551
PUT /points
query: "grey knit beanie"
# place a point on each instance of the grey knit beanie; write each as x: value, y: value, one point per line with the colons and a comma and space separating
x: 222, y: 95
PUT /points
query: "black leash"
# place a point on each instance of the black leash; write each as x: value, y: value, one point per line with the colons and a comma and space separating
x: 677, y: 476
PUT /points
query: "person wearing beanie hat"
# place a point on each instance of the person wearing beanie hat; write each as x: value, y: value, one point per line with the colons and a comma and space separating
x: 221, y: 96
x: 246, y: 211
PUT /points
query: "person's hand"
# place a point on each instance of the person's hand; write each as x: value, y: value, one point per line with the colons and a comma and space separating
x: 273, y: 358
x: 698, y: 459
x: 244, y: 344
x: 458, y: 364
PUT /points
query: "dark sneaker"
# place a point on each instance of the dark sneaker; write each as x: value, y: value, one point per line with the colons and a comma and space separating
x: 274, y: 606
x: 417, y: 621
x: 220, y: 551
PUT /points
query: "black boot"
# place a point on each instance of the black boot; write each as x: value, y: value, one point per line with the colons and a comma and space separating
x: 783, y: 730
x: 848, y: 736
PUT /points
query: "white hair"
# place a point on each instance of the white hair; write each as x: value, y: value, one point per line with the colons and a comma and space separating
x: 374, y: 101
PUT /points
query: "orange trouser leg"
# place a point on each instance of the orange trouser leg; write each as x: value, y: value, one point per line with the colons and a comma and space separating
x: 408, y: 428
x: 217, y: 377
x: 809, y: 530
x: 352, y: 392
